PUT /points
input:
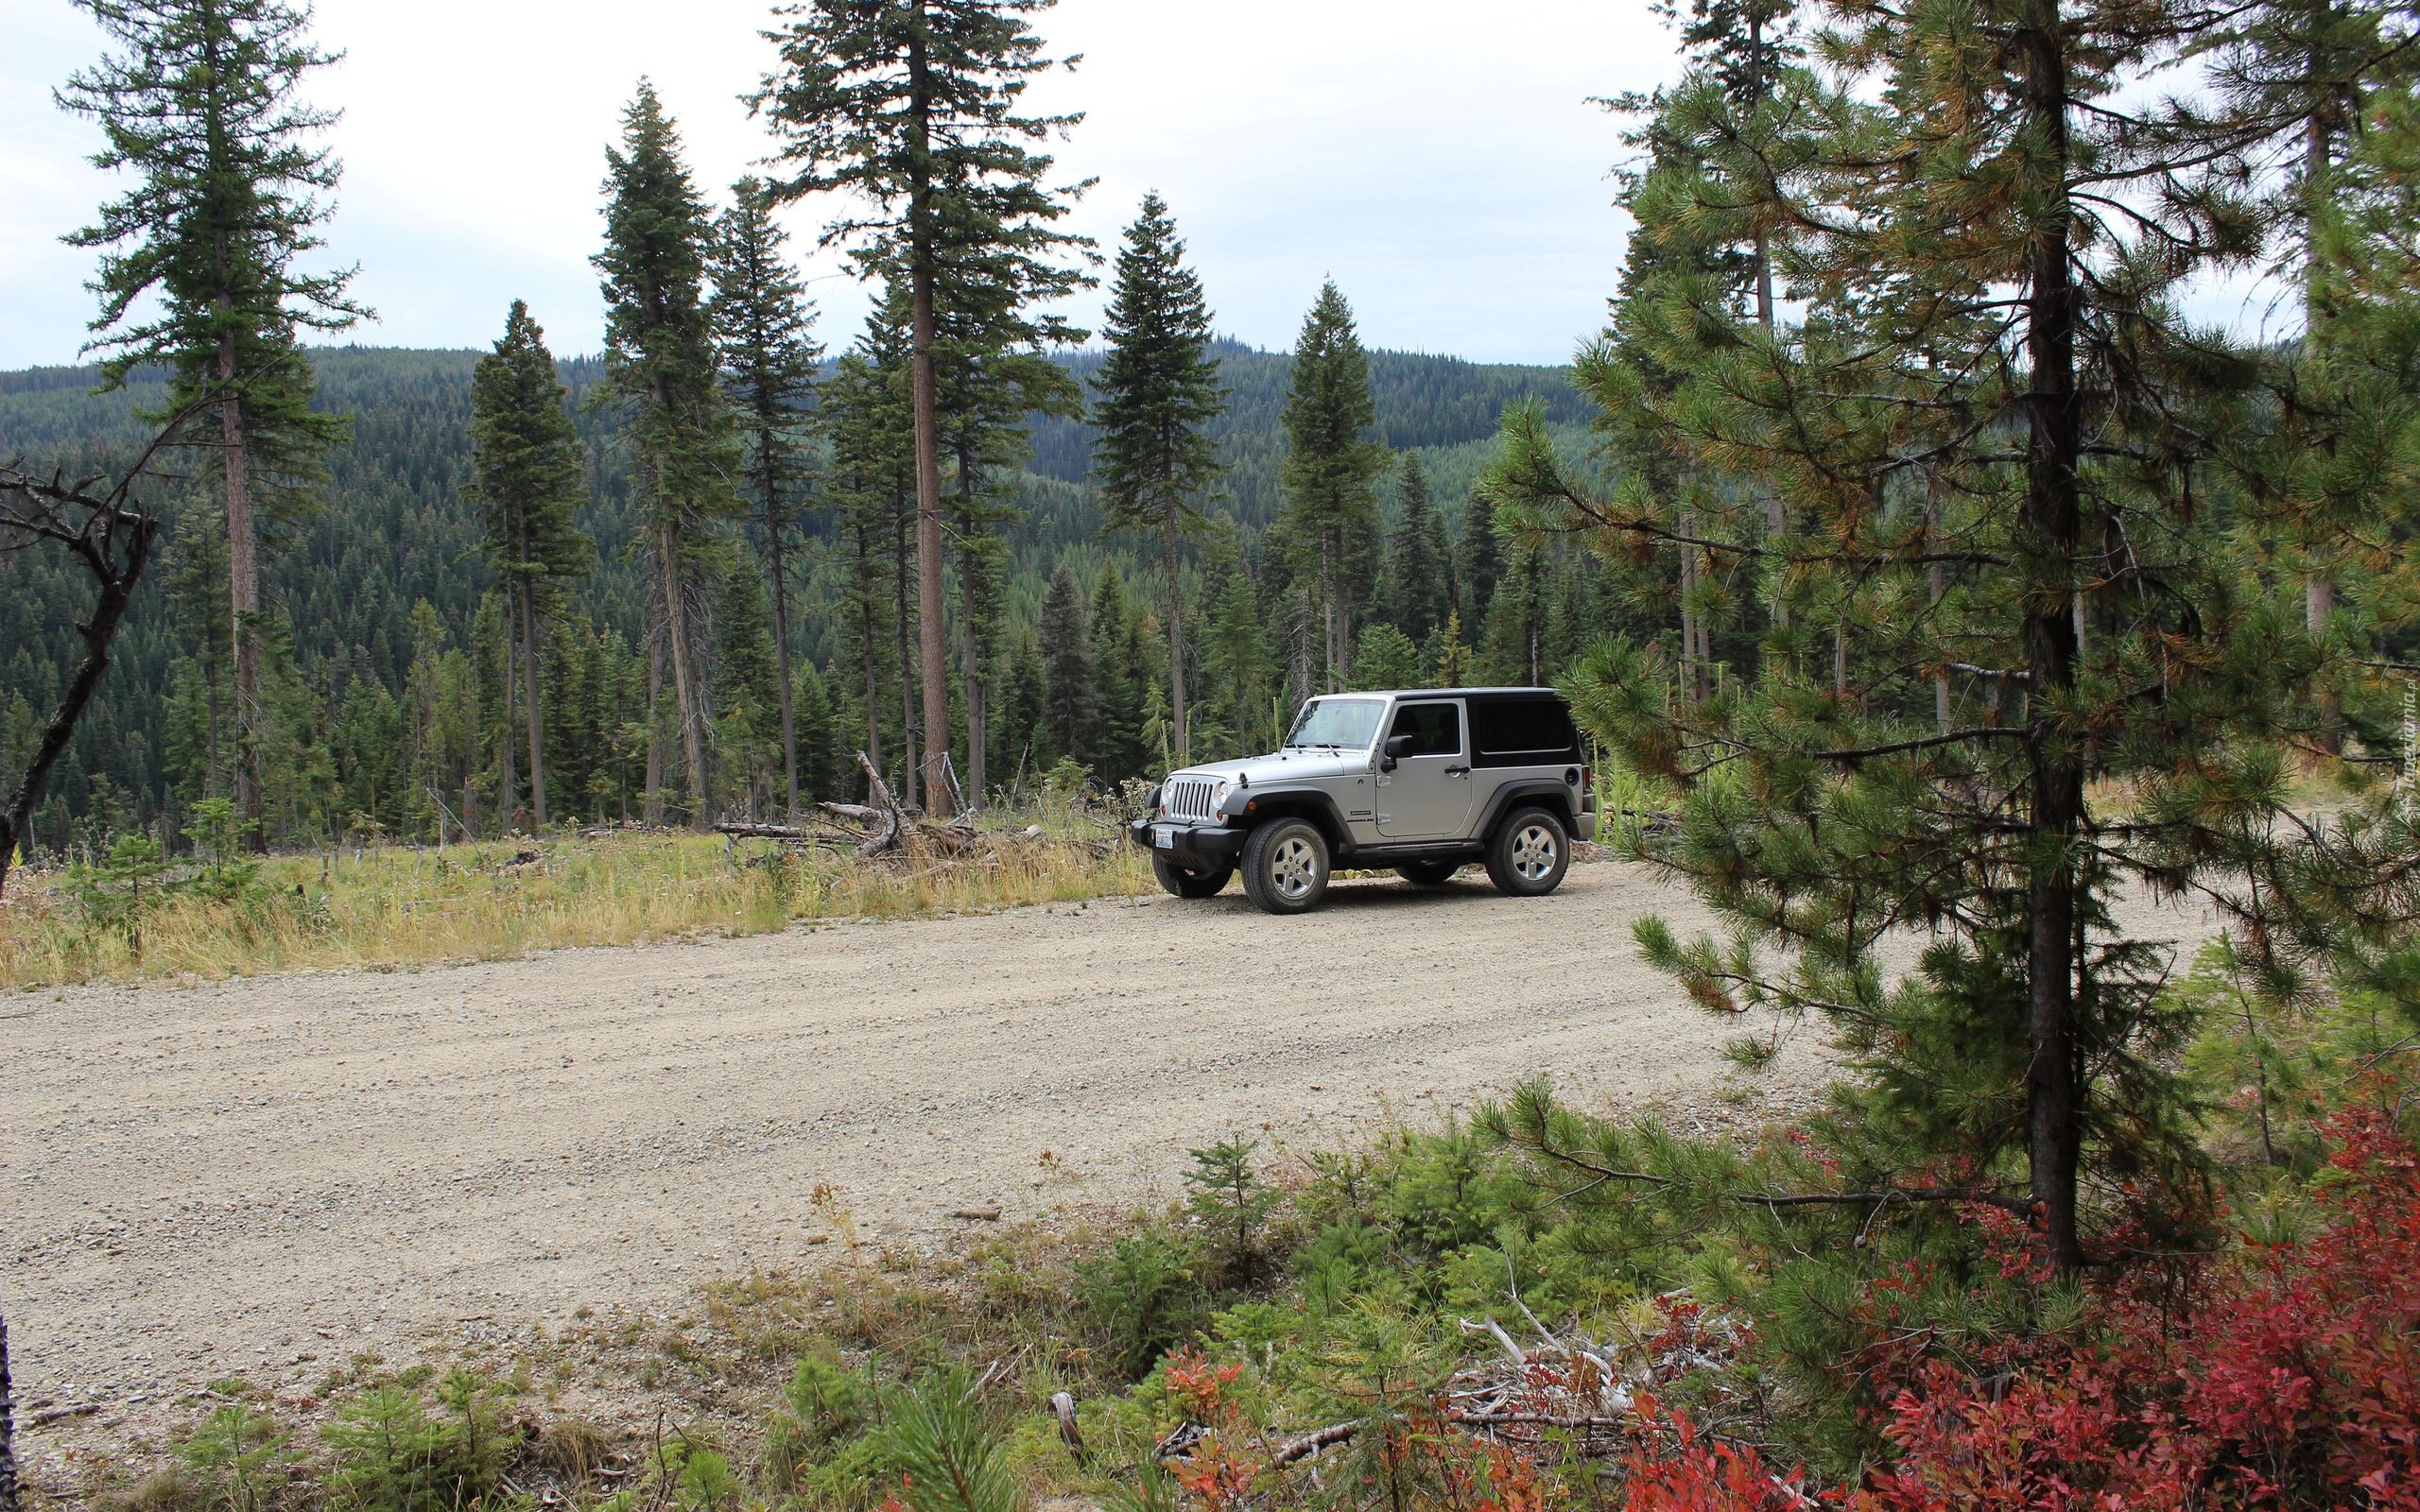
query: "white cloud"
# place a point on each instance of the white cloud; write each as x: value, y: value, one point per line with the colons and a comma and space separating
x: 1438, y: 159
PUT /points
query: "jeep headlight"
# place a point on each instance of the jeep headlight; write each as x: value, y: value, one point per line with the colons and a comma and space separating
x: 1218, y: 796
x: 1157, y: 800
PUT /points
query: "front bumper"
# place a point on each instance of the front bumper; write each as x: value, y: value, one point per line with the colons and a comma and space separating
x: 1188, y: 844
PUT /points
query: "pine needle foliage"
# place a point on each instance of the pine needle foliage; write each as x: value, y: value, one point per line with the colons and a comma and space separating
x: 1329, y: 524
x: 1156, y: 396
x: 764, y: 336
x: 2020, y: 669
x: 663, y: 372
x: 949, y: 1458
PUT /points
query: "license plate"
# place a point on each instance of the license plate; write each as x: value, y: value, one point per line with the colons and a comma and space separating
x: 1163, y: 836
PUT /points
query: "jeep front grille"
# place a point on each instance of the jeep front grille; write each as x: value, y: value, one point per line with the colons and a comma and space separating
x: 1188, y: 797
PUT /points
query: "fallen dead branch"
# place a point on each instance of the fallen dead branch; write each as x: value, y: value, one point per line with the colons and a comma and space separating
x: 883, y: 829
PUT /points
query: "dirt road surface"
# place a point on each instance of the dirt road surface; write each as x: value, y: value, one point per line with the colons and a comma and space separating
x: 240, y: 1177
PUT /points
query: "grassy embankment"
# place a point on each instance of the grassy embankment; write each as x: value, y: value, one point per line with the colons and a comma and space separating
x: 397, y: 906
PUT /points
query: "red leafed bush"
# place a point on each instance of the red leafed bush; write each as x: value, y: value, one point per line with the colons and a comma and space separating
x: 2295, y: 1384
x: 1676, y: 1469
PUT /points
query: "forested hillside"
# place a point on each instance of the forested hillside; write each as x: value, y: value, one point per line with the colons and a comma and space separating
x: 381, y: 588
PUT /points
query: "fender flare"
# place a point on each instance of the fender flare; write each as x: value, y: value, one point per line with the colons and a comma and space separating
x: 1298, y: 803
x: 1545, y: 792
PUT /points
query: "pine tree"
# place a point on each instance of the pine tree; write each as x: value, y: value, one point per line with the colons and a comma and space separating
x: 748, y: 688
x: 871, y: 480
x: 1121, y: 680
x: 911, y: 106
x: 764, y: 327
x: 1023, y: 729
x: 1452, y: 661
x: 1157, y: 393
x: 526, y: 475
x: 1478, y: 560
x: 993, y: 377
x: 1331, y: 471
x: 1416, y: 598
x: 196, y: 598
x: 1991, y: 377
x: 661, y: 367
x: 1386, y: 660
x: 1069, y: 693
x: 2302, y: 67
x: 201, y: 104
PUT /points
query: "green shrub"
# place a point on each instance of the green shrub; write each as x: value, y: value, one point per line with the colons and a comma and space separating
x: 392, y: 1454
x: 1140, y: 1299
x: 237, y: 1460
x: 828, y: 1404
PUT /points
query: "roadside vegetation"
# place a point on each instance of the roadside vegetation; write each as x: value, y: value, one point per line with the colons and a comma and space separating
x: 125, y: 911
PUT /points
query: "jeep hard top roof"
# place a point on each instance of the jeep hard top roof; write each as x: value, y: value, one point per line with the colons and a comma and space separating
x: 1448, y: 693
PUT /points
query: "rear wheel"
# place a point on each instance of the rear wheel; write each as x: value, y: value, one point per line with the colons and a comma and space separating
x: 1427, y: 873
x: 1185, y: 882
x: 1530, y: 854
x: 1286, y: 867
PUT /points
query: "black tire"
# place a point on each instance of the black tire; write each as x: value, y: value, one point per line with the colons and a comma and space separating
x: 1183, y: 881
x: 1529, y: 854
x: 1286, y: 867
x: 1429, y: 873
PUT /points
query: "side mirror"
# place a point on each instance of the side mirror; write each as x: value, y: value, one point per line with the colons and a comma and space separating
x: 1396, y: 748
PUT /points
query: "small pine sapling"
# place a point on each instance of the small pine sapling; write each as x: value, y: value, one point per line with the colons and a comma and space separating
x: 1233, y: 1205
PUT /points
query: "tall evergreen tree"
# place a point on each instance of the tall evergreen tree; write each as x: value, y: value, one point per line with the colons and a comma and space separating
x: 1070, y: 693
x: 527, y: 475
x: 200, y: 102
x: 993, y: 377
x: 1478, y: 560
x: 1157, y: 394
x: 763, y: 328
x: 1991, y: 376
x: 1331, y: 473
x: 872, y: 477
x: 1415, y: 599
x: 661, y: 367
x: 911, y: 108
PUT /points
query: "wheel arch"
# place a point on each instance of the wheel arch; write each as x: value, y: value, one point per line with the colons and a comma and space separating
x: 1304, y: 804
x: 1546, y: 793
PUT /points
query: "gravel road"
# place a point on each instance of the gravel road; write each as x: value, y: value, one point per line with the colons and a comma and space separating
x: 231, y: 1179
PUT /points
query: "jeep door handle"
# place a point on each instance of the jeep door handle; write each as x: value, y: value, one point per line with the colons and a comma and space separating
x: 1458, y: 771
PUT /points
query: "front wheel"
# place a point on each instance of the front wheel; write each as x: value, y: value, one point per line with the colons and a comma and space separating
x: 1286, y: 867
x: 1530, y: 853
x: 1183, y: 881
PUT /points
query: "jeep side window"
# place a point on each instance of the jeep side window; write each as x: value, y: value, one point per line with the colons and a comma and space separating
x: 1435, y: 728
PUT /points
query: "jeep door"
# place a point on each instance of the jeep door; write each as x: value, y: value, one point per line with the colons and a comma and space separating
x: 1427, y: 796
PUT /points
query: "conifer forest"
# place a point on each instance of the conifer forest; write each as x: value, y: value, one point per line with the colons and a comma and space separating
x: 2001, y: 657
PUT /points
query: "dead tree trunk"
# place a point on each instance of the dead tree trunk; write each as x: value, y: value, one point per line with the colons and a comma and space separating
x: 113, y: 538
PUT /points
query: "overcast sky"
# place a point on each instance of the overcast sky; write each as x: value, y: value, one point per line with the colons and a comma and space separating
x: 1440, y: 161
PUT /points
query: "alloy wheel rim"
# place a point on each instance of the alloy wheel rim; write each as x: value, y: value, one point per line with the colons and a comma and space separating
x: 1533, y: 853
x: 1293, y: 868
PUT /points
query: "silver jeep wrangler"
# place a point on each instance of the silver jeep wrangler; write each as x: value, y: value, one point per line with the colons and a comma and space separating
x: 1423, y: 782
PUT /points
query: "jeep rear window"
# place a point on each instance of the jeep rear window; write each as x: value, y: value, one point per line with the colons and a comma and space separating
x: 1526, y: 727
x: 1347, y: 723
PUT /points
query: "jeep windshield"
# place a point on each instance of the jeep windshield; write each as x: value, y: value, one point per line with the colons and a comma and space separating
x: 1337, y: 724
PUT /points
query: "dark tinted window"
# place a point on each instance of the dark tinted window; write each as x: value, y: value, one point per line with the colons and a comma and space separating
x: 1435, y: 728
x: 1523, y: 727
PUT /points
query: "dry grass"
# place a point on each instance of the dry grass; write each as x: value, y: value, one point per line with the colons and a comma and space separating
x: 405, y: 906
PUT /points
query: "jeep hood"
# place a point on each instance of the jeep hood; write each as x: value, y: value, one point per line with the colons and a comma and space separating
x: 1284, y: 767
